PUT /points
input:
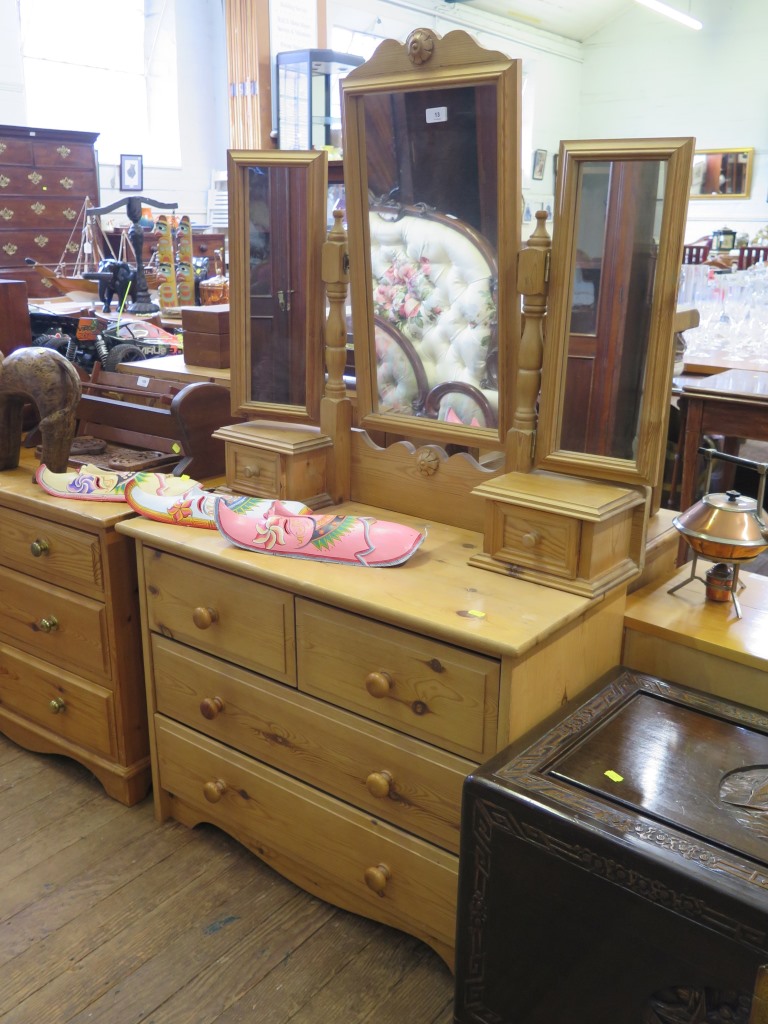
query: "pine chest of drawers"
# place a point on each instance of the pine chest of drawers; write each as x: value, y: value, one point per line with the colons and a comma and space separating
x: 71, y: 674
x: 326, y: 715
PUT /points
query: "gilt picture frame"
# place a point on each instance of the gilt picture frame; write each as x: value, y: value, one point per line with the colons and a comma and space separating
x: 539, y: 163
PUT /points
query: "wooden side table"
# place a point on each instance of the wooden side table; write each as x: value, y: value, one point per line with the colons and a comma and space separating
x: 687, y: 639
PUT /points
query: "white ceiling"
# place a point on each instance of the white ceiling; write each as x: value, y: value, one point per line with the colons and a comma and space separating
x: 574, y: 19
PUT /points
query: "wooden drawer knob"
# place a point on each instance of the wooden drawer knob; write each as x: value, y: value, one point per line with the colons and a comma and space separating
x: 39, y: 547
x: 204, y: 618
x: 57, y: 706
x: 379, y: 784
x: 49, y: 625
x: 249, y: 471
x: 214, y: 790
x: 376, y: 878
x: 379, y: 684
x: 210, y: 707
x: 531, y: 539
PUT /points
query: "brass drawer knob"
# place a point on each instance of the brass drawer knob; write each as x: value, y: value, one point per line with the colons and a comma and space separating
x: 39, y: 547
x: 204, y: 618
x: 48, y: 625
x: 57, y: 706
x: 379, y: 684
x: 249, y: 471
x: 214, y: 790
x: 531, y: 539
x: 379, y: 784
x: 376, y: 878
x: 210, y: 707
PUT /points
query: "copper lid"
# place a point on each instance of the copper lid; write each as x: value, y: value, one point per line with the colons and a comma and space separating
x: 727, y: 518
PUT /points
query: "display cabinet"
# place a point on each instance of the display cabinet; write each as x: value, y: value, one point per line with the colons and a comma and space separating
x: 309, y: 99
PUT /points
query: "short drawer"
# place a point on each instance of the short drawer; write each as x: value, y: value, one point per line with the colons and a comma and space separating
x: 253, y: 471
x: 56, y: 625
x: 539, y: 540
x: 328, y: 848
x: 431, y: 690
x: 409, y: 783
x: 71, y: 708
x: 223, y: 614
x: 51, y: 552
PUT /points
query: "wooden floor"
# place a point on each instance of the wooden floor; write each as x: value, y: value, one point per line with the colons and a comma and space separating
x: 107, y: 917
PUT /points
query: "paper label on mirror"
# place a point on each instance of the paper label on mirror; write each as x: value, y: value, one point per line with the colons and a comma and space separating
x: 436, y: 114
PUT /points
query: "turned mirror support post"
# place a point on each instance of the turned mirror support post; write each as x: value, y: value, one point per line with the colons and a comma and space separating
x: 335, y: 406
x: 532, y: 275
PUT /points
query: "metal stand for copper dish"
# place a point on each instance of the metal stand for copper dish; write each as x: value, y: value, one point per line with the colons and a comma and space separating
x: 710, y: 454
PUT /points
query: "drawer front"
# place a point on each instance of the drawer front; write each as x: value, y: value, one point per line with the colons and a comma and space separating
x: 45, y: 182
x: 409, y: 783
x: 253, y: 471
x: 43, y: 245
x: 420, y: 686
x: 332, y: 850
x: 30, y: 212
x: 72, y: 708
x: 54, y: 624
x: 51, y: 552
x: 15, y: 151
x: 538, y: 540
x: 225, y: 615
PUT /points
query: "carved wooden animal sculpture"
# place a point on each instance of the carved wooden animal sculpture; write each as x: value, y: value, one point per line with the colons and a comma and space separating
x: 52, y: 383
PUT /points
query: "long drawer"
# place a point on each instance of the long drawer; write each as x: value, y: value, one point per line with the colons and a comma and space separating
x: 423, y: 687
x: 51, y: 552
x: 228, y: 616
x: 57, y: 625
x: 409, y: 783
x: 334, y: 851
x: 69, y: 707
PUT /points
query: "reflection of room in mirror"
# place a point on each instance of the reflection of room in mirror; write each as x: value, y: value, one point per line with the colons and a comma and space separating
x: 618, y: 217
x: 718, y: 173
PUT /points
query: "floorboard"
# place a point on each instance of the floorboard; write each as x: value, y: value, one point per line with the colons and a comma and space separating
x: 106, y: 915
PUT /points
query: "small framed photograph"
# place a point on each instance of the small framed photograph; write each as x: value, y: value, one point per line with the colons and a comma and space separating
x: 131, y: 173
x: 539, y: 162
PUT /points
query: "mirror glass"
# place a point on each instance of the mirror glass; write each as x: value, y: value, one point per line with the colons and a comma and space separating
x: 615, y: 262
x: 277, y: 228
x: 721, y: 174
x: 427, y: 161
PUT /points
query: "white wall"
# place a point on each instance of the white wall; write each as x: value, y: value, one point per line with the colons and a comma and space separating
x: 641, y: 76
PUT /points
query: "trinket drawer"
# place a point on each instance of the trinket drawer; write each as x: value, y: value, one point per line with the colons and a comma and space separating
x: 71, y: 678
x: 326, y: 715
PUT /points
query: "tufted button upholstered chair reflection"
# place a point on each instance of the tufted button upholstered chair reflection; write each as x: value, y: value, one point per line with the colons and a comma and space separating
x: 434, y: 294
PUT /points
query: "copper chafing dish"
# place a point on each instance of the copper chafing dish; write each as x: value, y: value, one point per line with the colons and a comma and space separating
x: 726, y: 527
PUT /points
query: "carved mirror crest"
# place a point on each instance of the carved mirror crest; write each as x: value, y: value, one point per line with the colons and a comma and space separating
x: 431, y: 166
x: 616, y: 251
x: 277, y: 223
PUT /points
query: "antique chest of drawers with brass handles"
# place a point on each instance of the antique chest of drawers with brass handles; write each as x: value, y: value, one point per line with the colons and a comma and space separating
x: 71, y: 671
x: 327, y: 715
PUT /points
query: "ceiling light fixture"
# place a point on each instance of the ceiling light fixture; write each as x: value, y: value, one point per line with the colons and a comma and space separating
x: 671, y: 12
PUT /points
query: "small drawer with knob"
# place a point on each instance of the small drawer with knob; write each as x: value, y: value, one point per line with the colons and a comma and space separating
x: 253, y: 471
x: 55, y: 624
x: 228, y: 616
x: 65, y: 705
x: 52, y: 552
x: 431, y: 690
x: 403, y: 780
x: 327, y: 847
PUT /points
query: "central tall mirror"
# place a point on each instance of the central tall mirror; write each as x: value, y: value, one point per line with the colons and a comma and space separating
x: 616, y: 253
x: 431, y: 164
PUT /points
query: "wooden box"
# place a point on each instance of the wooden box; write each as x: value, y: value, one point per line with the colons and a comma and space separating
x: 206, y: 319
x: 565, y: 532
x: 206, y: 349
x: 614, y: 864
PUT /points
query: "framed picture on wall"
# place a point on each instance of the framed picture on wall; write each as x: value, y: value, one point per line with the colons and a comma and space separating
x: 539, y: 162
x: 131, y: 173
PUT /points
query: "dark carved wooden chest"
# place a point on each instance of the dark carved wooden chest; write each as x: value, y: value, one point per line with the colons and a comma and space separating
x: 614, y: 865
